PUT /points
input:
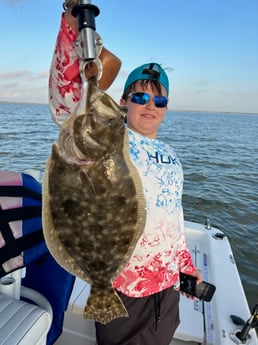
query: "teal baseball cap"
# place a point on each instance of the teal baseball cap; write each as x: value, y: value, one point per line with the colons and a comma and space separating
x: 148, y: 71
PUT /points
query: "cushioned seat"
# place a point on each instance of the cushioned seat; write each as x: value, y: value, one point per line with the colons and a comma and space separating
x: 22, y: 323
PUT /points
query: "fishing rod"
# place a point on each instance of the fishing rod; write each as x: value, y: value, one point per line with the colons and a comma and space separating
x: 94, y: 57
x: 89, y: 44
x: 243, y: 336
x: 252, y: 322
x: 86, y: 13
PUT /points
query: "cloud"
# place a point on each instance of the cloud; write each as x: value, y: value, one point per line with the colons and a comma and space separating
x: 42, y: 75
x: 15, y: 75
x: 24, y: 93
x: 23, y: 75
x: 24, y: 86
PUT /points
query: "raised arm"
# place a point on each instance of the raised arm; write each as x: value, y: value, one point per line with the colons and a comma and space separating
x: 65, y: 83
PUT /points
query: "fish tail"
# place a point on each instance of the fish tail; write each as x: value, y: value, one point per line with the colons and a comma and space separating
x: 104, y: 306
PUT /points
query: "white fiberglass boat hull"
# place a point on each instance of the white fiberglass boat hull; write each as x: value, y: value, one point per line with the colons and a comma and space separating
x: 206, y: 323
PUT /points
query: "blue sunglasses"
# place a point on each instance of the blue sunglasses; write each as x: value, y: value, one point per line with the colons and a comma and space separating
x: 143, y: 98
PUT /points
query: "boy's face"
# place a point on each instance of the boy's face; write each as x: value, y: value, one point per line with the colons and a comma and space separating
x: 145, y: 119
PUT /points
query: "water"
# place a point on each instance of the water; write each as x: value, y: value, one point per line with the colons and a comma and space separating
x: 219, y: 153
x: 26, y: 136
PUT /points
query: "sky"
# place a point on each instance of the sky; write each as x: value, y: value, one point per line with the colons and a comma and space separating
x: 210, y: 47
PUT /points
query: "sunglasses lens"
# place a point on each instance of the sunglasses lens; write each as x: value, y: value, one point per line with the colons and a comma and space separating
x: 160, y: 101
x: 143, y: 98
x: 140, y: 98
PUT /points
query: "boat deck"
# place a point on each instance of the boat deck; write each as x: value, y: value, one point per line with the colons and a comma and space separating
x: 201, y: 322
x: 78, y: 331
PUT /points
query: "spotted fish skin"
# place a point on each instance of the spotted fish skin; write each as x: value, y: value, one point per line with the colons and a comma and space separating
x: 93, y: 203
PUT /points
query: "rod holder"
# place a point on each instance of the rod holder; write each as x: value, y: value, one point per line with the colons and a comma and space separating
x: 85, y: 14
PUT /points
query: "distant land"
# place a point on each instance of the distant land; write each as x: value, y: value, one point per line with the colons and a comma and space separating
x: 171, y: 110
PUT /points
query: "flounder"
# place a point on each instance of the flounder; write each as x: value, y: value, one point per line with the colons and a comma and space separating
x: 93, y: 202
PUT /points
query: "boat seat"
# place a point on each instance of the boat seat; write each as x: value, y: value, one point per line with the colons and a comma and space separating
x: 24, y: 323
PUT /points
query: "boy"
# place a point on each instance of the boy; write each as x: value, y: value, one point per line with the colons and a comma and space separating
x: 149, y: 283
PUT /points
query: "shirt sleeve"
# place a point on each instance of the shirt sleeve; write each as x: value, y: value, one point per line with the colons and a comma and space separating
x: 65, y: 83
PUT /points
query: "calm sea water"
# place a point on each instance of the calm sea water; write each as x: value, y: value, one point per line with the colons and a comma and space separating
x: 219, y: 153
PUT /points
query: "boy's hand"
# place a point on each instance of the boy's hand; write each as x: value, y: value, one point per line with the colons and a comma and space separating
x: 69, y: 4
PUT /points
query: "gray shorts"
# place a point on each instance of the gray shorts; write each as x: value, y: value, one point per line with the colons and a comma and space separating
x: 152, y: 321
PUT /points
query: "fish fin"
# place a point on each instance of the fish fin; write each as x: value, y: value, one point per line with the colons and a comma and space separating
x: 57, y: 250
x: 104, y: 306
x: 141, y: 219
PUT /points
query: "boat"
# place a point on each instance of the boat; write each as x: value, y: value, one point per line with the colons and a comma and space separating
x: 225, y: 320
x: 222, y: 321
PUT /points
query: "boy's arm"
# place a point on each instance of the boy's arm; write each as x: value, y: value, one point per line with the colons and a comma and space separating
x: 65, y: 83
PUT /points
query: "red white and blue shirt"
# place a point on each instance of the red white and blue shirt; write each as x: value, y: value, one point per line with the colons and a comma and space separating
x: 161, y: 250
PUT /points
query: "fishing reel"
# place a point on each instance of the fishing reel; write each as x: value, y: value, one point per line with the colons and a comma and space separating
x: 242, y: 336
x: 89, y: 44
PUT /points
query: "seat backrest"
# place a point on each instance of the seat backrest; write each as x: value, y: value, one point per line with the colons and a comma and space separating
x: 22, y: 245
x: 21, y: 236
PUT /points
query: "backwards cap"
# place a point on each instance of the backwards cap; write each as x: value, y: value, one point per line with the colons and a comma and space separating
x: 149, y: 71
